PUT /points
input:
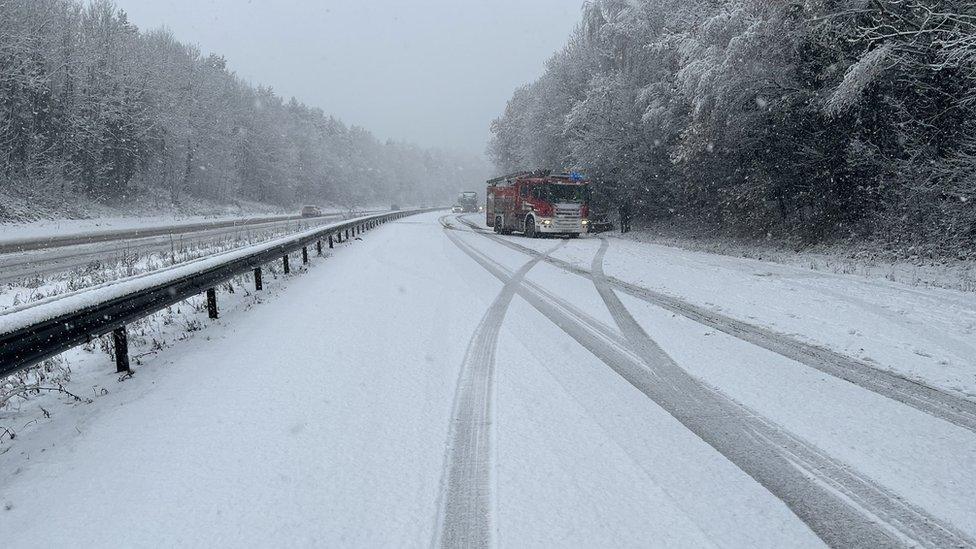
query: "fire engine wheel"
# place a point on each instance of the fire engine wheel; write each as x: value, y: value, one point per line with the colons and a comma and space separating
x: 530, y: 228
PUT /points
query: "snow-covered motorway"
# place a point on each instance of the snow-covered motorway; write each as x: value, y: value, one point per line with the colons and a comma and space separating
x: 436, y: 384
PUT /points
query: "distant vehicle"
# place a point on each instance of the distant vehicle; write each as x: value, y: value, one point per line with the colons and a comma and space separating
x: 538, y: 203
x: 311, y: 211
x: 395, y: 208
x: 468, y: 201
x: 458, y: 209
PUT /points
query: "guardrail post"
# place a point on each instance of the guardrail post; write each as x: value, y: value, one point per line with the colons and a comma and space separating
x: 212, y: 303
x: 121, y: 338
x: 331, y: 244
x: 284, y: 261
x: 258, y: 283
x: 347, y: 234
x: 318, y: 247
x: 304, y: 255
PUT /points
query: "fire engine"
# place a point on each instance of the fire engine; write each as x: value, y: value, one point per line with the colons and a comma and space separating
x: 538, y: 203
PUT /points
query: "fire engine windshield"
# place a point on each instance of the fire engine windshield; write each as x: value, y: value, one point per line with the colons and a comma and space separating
x: 564, y: 193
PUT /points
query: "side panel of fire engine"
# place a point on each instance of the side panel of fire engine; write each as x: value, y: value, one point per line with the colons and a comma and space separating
x: 499, y: 208
x: 490, y: 207
x: 521, y: 209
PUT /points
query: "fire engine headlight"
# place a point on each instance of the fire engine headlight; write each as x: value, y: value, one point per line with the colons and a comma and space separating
x: 547, y: 222
x: 586, y: 221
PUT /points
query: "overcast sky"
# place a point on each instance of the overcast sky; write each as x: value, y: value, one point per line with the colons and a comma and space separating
x: 434, y: 72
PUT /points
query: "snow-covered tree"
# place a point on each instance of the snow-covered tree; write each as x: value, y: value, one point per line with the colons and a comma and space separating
x: 90, y: 105
x: 809, y: 118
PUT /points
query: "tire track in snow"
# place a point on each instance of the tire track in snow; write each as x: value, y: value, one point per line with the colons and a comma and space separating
x: 843, y: 507
x: 464, y: 511
x: 930, y: 400
x: 633, y: 331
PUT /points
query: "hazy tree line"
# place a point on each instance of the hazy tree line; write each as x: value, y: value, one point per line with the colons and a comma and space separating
x: 807, y: 118
x: 90, y: 105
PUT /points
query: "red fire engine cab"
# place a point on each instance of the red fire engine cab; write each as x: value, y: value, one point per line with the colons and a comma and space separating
x: 538, y: 203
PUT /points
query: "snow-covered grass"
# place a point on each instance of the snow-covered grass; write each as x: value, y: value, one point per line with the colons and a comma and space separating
x: 867, y: 260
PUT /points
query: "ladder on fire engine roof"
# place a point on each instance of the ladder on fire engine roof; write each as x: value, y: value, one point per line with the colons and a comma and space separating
x: 507, y: 178
x: 538, y: 173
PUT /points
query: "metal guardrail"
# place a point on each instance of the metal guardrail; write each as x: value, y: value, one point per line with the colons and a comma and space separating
x: 25, y: 346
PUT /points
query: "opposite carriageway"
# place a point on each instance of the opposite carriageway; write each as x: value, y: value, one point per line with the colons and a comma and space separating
x: 37, y: 257
x: 20, y: 245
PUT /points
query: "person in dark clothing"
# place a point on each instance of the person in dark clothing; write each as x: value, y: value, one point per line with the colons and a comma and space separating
x: 624, y: 218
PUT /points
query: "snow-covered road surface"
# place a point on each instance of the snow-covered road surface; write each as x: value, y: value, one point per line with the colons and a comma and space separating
x: 435, y: 384
x: 923, y: 392
x: 465, y: 518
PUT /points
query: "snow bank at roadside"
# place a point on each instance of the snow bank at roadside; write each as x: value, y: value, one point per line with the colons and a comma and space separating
x: 865, y: 260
